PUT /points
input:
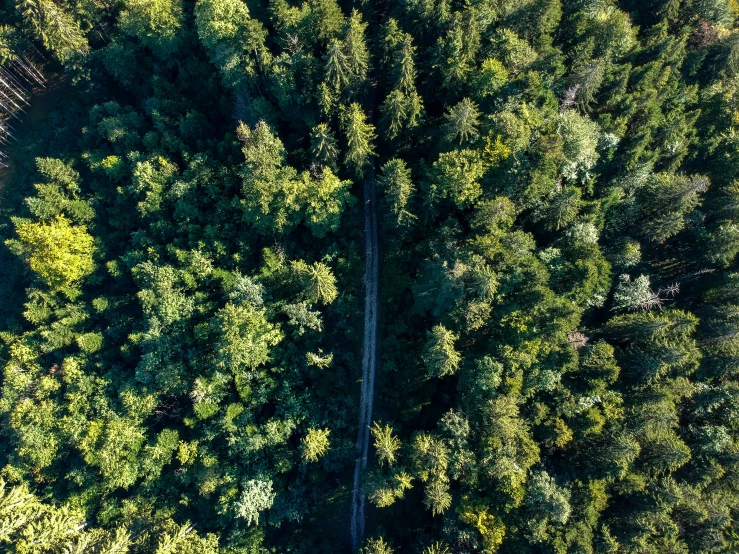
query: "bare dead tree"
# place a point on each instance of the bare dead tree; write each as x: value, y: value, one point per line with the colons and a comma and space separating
x: 18, y: 77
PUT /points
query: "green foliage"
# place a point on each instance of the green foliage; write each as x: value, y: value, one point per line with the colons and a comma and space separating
x: 360, y: 137
x: 60, y: 253
x: 439, y: 356
x: 397, y: 186
x: 315, y: 444
x: 318, y: 281
x: 549, y: 505
x: 490, y: 78
x: 234, y: 41
x: 245, y: 337
x: 635, y: 294
x: 183, y: 294
x: 323, y: 145
x: 457, y: 175
x: 386, y: 444
x: 57, y: 29
x: 579, y: 145
x: 328, y: 197
x: 376, y: 546
x: 462, y: 122
x: 256, y: 496
x: 272, y: 192
x: 155, y: 23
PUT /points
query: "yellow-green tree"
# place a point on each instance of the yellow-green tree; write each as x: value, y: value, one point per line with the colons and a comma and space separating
x: 156, y: 23
x: 315, y: 444
x: 328, y: 196
x: 58, y: 252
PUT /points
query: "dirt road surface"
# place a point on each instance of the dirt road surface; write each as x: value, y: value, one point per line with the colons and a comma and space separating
x: 369, y: 357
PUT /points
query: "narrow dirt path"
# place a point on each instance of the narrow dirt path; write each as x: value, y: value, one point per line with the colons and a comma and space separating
x: 369, y: 356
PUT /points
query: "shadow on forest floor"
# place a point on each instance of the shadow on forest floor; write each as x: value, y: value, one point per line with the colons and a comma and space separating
x: 50, y: 128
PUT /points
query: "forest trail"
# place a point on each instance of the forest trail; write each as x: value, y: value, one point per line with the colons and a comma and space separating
x: 369, y: 356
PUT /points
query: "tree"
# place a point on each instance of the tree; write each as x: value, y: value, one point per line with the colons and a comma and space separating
x: 635, y: 295
x: 155, y: 23
x: 457, y: 175
x: 355, y: 51
x: 234, y: 41
x: 394, y: 111
x: 514, y: 51
x: 183, y: 539
x: 598, y: 365
x: 585, y: 81
x: 303, y: 318
x: 439, y: 355
x: 475, y: 514
x: 59, y: 193
x: 273, y: 195
x: 549, y: 505
x: 396, y: 184
x: 30, y: 525
x: 114, y: 447
x: 376, y: 546
x: 245, y: 337
x: 666, y: 200
x: 327, y: 198
x: 402, y: 108
x: 453, y: 54
x: 360, y: 137
x: 384, y: 490
x: 256, y: 496
x: 61, y: 254
x: 462, y: 122
x: 436, y: 548
x: 59, y: 31
x: 149, y: 181
x: 315, y: 444
x: 663, y: 451
x: 579, y: 144
x: 386, y: 444
x: 323, y: 145
x: 327, y: 18
x: 337, y: 66
x: 318, y: 281
x: 507, y: 447
x: 437, y: 497
x: 491, y: 77
x: 561, y: 209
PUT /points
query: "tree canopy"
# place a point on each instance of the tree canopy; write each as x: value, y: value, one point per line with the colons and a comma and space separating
x: 193, y: 200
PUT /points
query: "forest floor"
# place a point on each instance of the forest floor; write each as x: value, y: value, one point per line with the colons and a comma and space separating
x: 43, y: 100
x: 369, y: 357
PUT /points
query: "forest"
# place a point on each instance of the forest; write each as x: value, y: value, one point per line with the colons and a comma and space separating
x: 371, y: 276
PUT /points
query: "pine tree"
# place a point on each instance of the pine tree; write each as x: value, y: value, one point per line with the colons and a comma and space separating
x: 360, y: 137
x: 318, y: 281
x: 386, y: 444
x: 439, y: 356
x: 274, y: 196
x: 327, y: 198
x: 396, y: 184
x: 323, y: 145
x: 57, y: 29
x: 462, y: 122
